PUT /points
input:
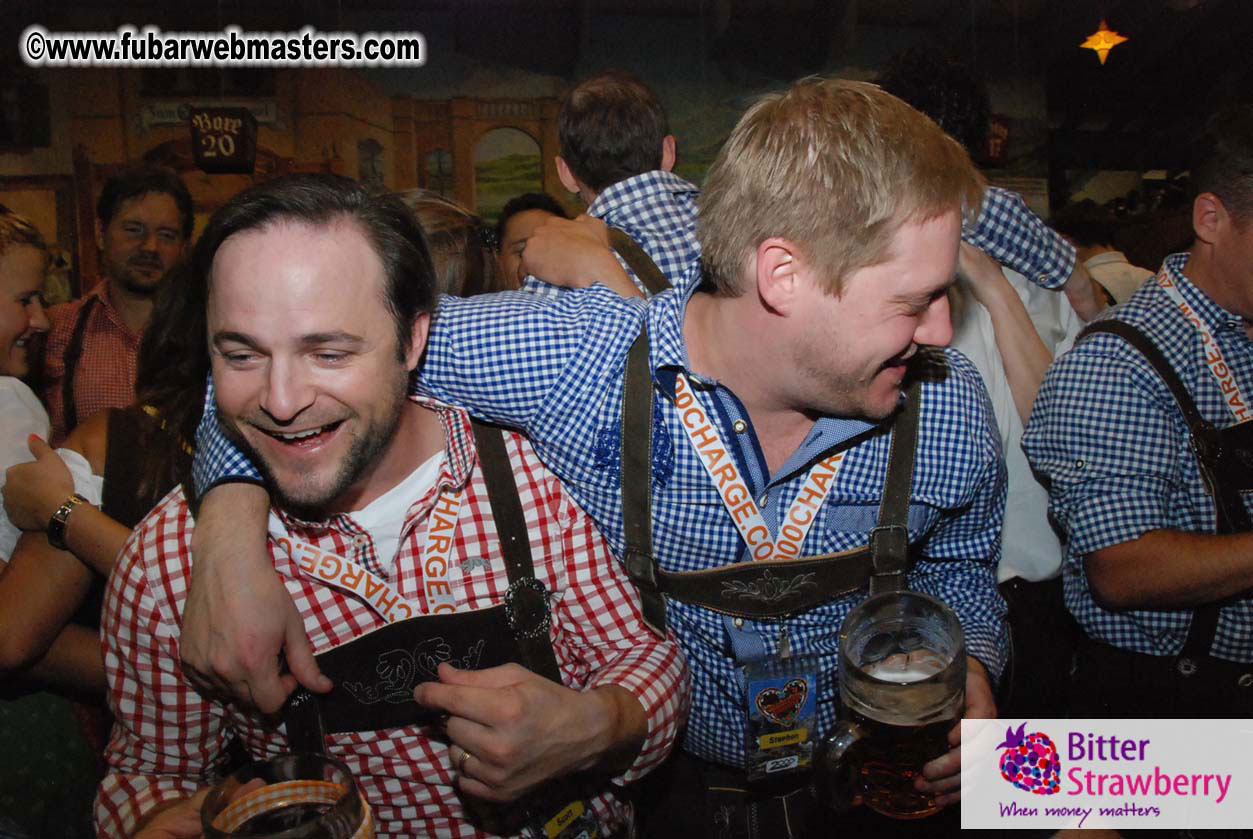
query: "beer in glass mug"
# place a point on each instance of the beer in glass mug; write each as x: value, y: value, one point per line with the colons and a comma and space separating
x: 902, y: 688
x: 292, y: 796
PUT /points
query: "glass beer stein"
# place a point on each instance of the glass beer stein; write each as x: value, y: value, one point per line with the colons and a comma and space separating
x: 293, y: 796
x: 902, y: 688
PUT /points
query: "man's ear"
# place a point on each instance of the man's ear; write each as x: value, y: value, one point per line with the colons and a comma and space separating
x: 568, y: 180
x: 1208, y: 216
x: 777, y: 272
x: 669, y: 153
x: 417, y: 342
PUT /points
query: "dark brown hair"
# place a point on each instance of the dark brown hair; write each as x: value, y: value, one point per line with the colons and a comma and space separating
x: 610, y: 128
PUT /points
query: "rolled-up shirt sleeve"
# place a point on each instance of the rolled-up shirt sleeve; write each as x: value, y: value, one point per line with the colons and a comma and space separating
x: 1010, y: 233
x: 218, y: 460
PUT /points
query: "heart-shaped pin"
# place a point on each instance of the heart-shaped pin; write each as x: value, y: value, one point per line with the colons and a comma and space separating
x: 782, y: 705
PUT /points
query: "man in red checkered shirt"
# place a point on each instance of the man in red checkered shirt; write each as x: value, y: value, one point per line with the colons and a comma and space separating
x: 143, y: 223
x: 318, y: 298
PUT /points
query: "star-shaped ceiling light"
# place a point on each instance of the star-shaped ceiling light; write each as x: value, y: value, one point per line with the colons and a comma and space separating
x: 1103, y: 40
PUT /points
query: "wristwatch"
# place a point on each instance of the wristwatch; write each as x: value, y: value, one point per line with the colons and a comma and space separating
x: 56, y: 525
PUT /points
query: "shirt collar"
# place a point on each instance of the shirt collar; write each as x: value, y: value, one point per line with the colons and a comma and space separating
x: 667, y: 347
x: 100, y: 291
x: 1213, y: 315
x: 668, y: 357
x: 1104, y: 258
x: 640, y: 188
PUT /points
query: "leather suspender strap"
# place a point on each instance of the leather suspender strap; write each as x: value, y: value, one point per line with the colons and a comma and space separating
x: 641, y: 263
x: 1204, y: 623
x: 73, y: 352
x: 758, y: 589
x: 889, y: 541
x: 1207, y: 441
x: 637, y: 456
x: 527, y: 599
x: 1154, y: 357
x: 522, y: 620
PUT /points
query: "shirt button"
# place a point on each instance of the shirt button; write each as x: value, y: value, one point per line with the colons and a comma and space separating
x: 738, y: 623
x: 740, y: 426
x: 1080, y: 463
x: 361, y: 540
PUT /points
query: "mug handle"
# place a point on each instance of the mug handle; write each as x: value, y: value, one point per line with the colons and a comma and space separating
x: 836, y: 782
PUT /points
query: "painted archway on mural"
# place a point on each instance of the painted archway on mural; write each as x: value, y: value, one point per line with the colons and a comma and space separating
x: 507, y: 162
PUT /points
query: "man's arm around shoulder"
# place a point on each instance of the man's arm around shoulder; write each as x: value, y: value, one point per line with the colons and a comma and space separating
x: 239, y: 616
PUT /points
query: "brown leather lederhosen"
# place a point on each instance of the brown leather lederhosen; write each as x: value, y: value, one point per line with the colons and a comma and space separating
x: 372, y: 684
x: 374, y: 675
x: 1113, y: 682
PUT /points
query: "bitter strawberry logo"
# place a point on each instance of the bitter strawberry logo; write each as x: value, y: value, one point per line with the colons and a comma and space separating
x: 1030, y: 761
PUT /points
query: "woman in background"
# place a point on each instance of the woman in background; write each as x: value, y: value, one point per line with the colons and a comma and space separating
x: 129, y: 458
x: 23, y: 260
x: 463, y: 247
x: 46, y: 777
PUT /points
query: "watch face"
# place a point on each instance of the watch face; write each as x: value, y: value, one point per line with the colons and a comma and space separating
x: 56, y: 526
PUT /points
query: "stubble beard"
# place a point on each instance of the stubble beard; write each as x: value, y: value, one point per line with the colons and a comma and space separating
x: 365, y: 449
x: 140, y: 287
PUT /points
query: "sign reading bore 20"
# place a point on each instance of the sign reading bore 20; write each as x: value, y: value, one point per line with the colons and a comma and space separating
x: 224, y: 140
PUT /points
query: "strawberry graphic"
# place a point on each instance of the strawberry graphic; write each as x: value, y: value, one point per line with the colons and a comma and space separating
x: 1030, y: 761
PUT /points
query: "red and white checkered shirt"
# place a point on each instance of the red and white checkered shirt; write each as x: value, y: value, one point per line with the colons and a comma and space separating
x: 167, y: 735
x: 105, y: 374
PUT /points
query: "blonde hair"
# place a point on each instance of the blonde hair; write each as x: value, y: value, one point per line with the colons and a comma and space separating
x: 460, y: 242
x: 16, y: 229
x: 834, y: 167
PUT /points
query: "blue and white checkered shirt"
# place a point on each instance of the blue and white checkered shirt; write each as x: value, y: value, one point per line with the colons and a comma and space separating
x: 658, y: 210
x: 1010, y: 233
x: 1111, y: 439
x: 565, y: 392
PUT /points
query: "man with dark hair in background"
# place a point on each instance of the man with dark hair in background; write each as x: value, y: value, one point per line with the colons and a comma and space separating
x: 519, y: 218
x: 143, y: 223
x: 1142, y: 430
x: 617, y: 155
